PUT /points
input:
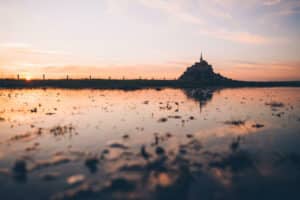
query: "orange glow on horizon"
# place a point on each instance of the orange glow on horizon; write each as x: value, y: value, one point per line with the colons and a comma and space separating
x: 28, y: 77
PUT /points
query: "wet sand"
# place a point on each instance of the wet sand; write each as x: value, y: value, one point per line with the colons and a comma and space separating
x: 238, y: 143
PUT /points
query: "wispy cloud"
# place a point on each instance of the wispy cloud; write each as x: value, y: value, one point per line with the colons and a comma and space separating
x: 261, y: 71
x: 173, y: 8
x: 29, y: 49
x: 239, y: 36
x: 271, y: 2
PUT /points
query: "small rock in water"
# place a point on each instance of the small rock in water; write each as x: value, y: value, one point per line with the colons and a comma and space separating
x: 159, y: 151
x: 275, y: 104
x: 191, y: 117
x: 34, y: 110
x: 126, y: 136
x: 174, y: 116
x: 236, y: 122
x: 91, y: 163
x: 168, y: 135
x: 105, y: 151
x: 163, y: 119
x: 258, y: 125
x: 144, y: 153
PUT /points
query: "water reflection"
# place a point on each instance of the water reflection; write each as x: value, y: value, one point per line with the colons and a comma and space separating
x: 202, y: 95
x: 148, y: 144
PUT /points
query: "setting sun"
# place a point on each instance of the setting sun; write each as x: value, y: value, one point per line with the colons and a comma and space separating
x: 28, y: 77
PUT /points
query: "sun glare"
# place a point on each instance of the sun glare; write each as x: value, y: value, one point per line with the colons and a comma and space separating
x: 27, y: 77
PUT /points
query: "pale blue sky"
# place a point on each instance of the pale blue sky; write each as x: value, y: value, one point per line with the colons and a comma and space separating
x: 242, y: 39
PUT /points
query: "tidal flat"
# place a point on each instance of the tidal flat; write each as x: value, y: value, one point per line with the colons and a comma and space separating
x: 208, y: 143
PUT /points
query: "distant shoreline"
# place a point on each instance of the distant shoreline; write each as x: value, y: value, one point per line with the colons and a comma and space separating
x: 134, y: 84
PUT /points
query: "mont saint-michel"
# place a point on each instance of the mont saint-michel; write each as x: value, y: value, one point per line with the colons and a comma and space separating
x: 200, y: 74
x: 201, y: 71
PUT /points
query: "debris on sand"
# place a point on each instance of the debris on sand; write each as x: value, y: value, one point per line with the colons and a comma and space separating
x: 275, y: 104
x: 174, y: 116
x: 163, y: 119
x: 191, y: 117
x: 50, y: 113
x: 105, y: 151
x: 2, y: 119
x: 146, y: 102
x: 20, y: 137
x: 258, y: 125
x: 126, y: 136
x: 235, y: 122
x: 159, y: 151
x: 51, y: 176
x: 118, y: 146
x: 278, y: 114
x: 75, y: 179
x: 33, y: 110
x: 91, y: 164
x: 168, y: 135
x: 144, y: 153
x: 62, y: 130
x: 33, y: 147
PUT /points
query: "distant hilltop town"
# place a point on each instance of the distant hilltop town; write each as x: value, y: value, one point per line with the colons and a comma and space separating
x: 201, y: 71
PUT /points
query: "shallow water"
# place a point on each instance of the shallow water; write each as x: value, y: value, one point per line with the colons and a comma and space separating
x: 150, y: 144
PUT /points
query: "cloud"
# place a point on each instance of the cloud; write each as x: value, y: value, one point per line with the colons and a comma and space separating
x: 25, y: 48
x: 14, y: 45
x: 271, y: 2
x: 282, y: 8
x: 239, y: 36
x: 173, y: 8
x: 261, y: 71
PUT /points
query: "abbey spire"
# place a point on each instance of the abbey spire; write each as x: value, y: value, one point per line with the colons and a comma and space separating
x: 201, y: 57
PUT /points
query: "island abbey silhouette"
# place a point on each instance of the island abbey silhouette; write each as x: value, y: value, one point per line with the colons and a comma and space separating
x: 201, y: 71
x: 200, y: 74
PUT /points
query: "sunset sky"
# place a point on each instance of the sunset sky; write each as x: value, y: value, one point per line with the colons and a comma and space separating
x: 246, y: 40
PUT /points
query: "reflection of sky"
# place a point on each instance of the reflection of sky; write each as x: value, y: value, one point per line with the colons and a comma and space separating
x: 265, y: 156
x: 107, y: 115
x: 141, y: 37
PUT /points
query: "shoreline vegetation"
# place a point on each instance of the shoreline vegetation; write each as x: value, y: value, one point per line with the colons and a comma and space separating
x: 135, y: 84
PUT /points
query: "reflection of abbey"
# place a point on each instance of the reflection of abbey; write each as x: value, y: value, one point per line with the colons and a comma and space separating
x: 201, y: 71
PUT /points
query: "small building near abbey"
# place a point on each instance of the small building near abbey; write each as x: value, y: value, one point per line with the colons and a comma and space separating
x: 201, y: 71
